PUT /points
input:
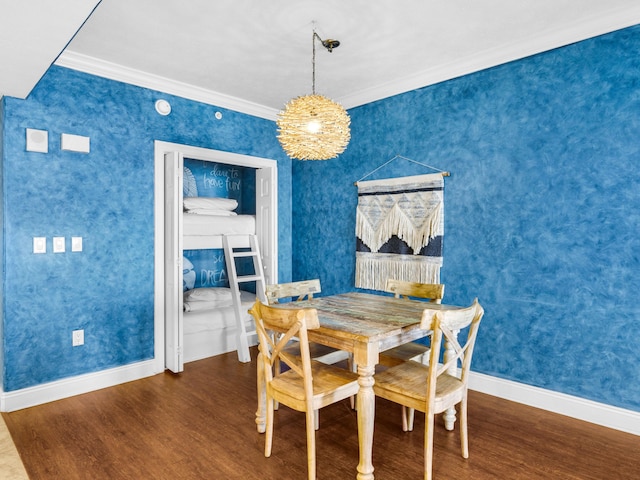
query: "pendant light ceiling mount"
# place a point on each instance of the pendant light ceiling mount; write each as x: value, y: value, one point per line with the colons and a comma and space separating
x: 329, y: 43
x: 313, y: 127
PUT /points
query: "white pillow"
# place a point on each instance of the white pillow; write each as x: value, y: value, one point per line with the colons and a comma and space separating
x: 209, y: 294
x: 209, y: 203
x: 198, y: 306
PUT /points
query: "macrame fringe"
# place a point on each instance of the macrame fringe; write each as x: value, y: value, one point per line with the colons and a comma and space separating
x: 398, y: 223
x: 373, y: 270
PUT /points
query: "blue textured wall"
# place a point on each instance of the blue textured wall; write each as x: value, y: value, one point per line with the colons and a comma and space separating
x: 2, y: 236
x: 106, y: 197
x: 542, y: 211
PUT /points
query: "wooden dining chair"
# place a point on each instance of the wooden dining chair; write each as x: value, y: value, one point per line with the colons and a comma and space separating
x: 412, y: 350
x: 431, y: 388
x: 308, y: 385
x: 401, y: 289
x: 303, y: 290
x: 298, y: 291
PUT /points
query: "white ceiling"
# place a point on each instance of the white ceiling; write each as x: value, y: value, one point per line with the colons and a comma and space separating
x: 32, y: 35
x: 254, y: 55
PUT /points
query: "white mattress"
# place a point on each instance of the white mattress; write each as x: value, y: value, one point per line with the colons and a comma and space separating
x: 195, y: 224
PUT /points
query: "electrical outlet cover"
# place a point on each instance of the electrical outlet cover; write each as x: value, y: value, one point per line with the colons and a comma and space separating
x: 77, y: 338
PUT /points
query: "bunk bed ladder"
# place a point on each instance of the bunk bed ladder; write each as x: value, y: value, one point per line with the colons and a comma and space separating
x: 235, y: 246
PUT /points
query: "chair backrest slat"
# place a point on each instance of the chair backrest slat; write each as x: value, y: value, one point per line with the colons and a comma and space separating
x: 294, y: 290
x: 400, y: 288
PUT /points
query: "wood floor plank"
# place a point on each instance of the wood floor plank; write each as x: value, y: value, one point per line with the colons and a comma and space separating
x: 200, y: 424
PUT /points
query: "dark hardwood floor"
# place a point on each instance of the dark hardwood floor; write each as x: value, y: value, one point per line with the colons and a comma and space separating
x: 200, y: 425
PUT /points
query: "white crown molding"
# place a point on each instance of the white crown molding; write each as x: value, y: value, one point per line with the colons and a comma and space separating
x: 112, y: 71
x: 570, y: 406
x: 490, y: 58
x: 68, y: 387
x: 497, y: 56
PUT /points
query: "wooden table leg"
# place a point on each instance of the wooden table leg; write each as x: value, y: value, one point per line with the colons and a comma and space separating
x: 262, y: 397
x: 366, y: 403
x: 450, y: 413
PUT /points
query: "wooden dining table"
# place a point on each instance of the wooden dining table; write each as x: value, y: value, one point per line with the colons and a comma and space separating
x: 364, y: 325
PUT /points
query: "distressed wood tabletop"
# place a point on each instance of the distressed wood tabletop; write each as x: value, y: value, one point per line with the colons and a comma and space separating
x: 367, y: 317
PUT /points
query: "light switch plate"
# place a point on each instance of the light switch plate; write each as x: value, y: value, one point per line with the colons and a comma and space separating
x: 58, y: 244
x: 76, y: 244
x: 39, y: 244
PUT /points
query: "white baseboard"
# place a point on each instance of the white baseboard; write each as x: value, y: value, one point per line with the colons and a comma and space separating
x: 49, y: 392
x: 575, y: 407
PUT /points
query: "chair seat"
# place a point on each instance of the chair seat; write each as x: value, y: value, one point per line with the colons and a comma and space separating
x: 406, y: 381
x: 403, y: 353
x: 330, y: 384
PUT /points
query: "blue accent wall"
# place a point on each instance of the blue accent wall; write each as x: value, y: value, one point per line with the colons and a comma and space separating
x: 2, y: 100
x: 542, y: 210
x: 106, y: 197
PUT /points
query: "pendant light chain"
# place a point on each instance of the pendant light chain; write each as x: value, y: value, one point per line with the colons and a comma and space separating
x: 313, y: 61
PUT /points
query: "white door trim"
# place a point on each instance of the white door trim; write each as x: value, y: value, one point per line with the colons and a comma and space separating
x: 196, y: 153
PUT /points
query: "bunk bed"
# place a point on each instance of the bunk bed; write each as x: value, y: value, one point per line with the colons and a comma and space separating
x: 201, y: 233
x: 208, y: 312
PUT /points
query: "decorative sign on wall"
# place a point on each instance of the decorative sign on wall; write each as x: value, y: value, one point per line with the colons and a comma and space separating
x: 399, y: 230
x: 209, y: 179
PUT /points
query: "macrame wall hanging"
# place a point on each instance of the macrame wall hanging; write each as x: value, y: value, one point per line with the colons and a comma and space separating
x: 399, y: 229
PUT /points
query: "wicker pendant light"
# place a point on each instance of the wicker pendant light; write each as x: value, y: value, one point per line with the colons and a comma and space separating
x: 313, y: 127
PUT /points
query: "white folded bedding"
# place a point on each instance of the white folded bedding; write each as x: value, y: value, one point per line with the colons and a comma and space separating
x: 194, y: 224
x: 209, y: 203
x: 207, y: 298
x: 217, y: 317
